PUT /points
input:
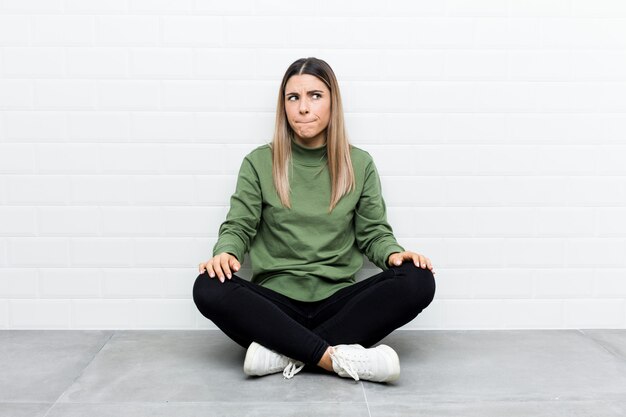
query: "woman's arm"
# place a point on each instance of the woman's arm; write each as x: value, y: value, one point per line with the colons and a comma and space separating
x: 374, y: 235
x: 242, y: 221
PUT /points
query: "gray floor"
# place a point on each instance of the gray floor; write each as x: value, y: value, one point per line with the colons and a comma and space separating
x: 199, y: 373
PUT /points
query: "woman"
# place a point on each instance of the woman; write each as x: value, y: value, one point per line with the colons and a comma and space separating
x: 307, y: 206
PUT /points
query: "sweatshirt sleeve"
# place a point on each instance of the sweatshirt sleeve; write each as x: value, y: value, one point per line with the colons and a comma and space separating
x: 374, y: 235
x: 242, y: 221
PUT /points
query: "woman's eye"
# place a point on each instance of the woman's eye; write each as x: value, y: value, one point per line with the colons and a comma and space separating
x: 315, y: 95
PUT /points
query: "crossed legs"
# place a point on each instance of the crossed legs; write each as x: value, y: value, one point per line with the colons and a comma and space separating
x: 362, y: 313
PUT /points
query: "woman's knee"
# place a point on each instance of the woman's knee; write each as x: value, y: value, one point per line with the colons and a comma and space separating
x: 207, y: 293
x: 418, y: 282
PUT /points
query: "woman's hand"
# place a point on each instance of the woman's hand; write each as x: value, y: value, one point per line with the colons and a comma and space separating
x: 397, y: 259
x: 220, y: 265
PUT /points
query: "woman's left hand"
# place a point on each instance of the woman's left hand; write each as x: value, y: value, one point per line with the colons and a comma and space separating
x: 419, y: 260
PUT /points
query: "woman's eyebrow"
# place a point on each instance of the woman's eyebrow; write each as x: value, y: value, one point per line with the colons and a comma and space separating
x: 312, y: 91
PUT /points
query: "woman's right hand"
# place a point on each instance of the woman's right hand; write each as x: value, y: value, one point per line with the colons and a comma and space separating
x: 221, y: 265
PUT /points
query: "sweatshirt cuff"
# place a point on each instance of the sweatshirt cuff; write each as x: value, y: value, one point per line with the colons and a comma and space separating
x: 237, y: 253
x: 390, y: 249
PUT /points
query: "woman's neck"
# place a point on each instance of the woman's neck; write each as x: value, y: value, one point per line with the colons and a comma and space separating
x: 316, y: 142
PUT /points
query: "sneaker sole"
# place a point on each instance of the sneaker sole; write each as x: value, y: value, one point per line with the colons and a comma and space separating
x: 393, y: 362
x: 247, y: 363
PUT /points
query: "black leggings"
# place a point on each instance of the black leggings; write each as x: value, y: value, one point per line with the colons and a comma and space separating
x: 364, y: 312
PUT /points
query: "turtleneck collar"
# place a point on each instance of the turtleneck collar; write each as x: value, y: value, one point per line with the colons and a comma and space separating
x: 308, y: 156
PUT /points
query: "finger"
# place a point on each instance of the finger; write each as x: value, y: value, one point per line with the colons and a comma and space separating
x: 398, y: 258
x: 234, y: 265
x: 430, y: 265
x: 200, y: 268
x: 423, y: 261
x: 209, y: 268
x: 217, y: 267
x: 226, y: 267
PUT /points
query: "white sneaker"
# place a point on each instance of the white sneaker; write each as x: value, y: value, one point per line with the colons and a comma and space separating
x: 379, y: 364
x: 263, y: 361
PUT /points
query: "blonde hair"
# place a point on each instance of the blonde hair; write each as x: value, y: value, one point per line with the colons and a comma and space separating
x: 337, y: 144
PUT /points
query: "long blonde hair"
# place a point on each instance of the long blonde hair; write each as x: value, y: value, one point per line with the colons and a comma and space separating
x: 337, y: 144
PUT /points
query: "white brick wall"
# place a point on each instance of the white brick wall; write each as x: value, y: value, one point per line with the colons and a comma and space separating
x: 498, y: 127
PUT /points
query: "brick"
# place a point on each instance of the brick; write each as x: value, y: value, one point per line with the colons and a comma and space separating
x: 63, y: 221
x: 19, y: 283
x: 594, y: 313
x: 95, y: 62
x: 168, y: 314
x: 129, y: 284
x: 104, y: 314
x: 70, y: 283
x: 38, y: 251
x: 39, y: 314
x: 127, y: 30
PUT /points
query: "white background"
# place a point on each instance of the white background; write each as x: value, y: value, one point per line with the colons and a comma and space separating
x: 498, y: 128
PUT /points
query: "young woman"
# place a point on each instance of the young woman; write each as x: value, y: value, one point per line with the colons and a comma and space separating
x: 307, y: 206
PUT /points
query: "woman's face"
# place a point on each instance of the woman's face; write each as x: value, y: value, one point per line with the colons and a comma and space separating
x: 307, y: 104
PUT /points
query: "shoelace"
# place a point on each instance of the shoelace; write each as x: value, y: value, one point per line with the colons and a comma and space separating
x: 350, y: 362
x: 292, y: 368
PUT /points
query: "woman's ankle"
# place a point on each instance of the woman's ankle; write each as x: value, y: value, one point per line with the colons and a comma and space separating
x: 326, y: 361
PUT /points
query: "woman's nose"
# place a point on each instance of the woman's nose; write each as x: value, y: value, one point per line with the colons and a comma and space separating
x: 304, y: 106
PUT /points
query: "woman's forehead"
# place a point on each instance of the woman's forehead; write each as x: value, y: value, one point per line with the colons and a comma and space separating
x: 304, y: 82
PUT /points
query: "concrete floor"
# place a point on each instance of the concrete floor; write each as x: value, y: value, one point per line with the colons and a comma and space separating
x: 199, y: 373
